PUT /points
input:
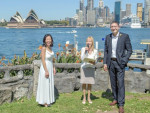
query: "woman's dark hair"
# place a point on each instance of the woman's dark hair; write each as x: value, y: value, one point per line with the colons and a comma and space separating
x: 45, y: 39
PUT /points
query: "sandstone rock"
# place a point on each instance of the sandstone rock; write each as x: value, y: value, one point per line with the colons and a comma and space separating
x: 5, y: 94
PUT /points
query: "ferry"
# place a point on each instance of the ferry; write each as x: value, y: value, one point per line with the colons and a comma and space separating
x: 131, y: 22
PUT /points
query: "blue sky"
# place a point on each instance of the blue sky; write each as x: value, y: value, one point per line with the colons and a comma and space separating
x: 52, y: 9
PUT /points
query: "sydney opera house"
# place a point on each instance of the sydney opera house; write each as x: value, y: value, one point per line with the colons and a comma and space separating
x: 31, y: 21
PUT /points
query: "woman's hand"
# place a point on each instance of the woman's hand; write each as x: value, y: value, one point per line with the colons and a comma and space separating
x: 46, y: 74
x: 86, y: 48
x: 54, y: 71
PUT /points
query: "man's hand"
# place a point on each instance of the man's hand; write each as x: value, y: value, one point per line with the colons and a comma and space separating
x: 105, y: 67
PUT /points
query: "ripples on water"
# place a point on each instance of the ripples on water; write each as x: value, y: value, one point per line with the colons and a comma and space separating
x: 15, y: 41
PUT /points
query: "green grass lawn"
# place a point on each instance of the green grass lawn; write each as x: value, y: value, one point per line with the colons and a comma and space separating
x: 72, y: 103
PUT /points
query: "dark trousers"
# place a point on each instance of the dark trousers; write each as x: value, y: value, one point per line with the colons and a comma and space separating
x: 117, y: 82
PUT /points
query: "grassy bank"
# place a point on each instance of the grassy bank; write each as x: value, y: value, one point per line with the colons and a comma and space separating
x: 71, y: 103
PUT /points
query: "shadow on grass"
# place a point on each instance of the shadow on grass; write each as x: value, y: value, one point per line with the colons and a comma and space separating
x: 56, y: 93
x: 93, y: 97
x: 107, y: 95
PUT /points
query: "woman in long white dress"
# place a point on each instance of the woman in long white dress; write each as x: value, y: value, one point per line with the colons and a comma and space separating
x: 45, y: 91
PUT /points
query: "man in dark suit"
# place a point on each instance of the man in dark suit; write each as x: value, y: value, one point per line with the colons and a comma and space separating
x: 117, y: 51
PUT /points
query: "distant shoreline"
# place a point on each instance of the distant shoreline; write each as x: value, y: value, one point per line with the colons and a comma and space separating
x: 63, y: 27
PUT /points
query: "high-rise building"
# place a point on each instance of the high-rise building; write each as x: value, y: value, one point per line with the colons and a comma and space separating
x: 81, y: 5
x: 128, y: 9
x: 81, y: 13
x: 117, y: 11
x: 106, y: 10
x: 139, y: 10
x: 102, y: 12
x: 90, y: 4
x: 149, y: 16
x: 146, y: 11
x: 123, y: 14
x: 143, y: 14
x: 91, y: 17
x: 80, y: 17
x: 101, y: 4
x: 96, y: 12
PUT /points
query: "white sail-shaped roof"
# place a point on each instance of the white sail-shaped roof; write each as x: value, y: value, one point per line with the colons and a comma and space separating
x: 16, y: 18
x: 32, y: 15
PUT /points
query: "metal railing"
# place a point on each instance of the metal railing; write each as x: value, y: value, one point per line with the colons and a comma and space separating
x: 136, y: 55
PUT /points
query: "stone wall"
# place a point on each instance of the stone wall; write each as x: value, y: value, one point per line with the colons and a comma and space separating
x: 136, y: 82
x: 12, y: 88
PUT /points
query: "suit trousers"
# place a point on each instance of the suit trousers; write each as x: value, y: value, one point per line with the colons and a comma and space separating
x: 117, y: 82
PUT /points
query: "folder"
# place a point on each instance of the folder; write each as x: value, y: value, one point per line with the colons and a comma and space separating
x: 89, y: 60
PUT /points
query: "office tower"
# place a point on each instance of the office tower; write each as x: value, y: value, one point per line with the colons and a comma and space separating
x: 80, y: 17
x: 128, y: 9
x: 90, y: 4
x: 101, y: 4
x: 146, y: 11
x: 102, y: 12
x: 91, y: 14
x: 139, y: 10
x: 123, y: 13
x: 96, y: 12
x: 82, y: 5
x: 143, y: 14
x: 117, y: 11
x: 91, y: 17
x: 149, y: 16
x: 106, y: 13
x: 72, y: 22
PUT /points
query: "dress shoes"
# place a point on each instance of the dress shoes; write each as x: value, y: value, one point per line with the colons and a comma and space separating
x: 113, y: 103
x: 121, y: 109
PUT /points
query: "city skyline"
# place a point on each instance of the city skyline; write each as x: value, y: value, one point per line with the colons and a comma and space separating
x: 54, y: 10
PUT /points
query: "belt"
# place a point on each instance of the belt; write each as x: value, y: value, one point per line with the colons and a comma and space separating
x: 114, y: 59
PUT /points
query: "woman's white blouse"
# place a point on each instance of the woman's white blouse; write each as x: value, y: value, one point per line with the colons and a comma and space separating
x: 93, y: 55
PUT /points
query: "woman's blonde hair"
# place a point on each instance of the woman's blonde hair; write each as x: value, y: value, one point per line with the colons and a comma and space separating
x: 90, y: 37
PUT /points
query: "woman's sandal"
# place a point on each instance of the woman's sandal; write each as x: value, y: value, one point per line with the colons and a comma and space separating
x: 90, y: 102
x: 46, y: 105
x: 83, y: 102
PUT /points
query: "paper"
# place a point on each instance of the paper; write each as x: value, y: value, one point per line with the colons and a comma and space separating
x: 89, y: 60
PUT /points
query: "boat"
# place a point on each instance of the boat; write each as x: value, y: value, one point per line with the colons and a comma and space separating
x: 73, y: 31
x: 131, y: 22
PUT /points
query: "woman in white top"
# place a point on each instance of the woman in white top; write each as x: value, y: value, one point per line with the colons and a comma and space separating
x: 45, y: 91
x: 88, y: 69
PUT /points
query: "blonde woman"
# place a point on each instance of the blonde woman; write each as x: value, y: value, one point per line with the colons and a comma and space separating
x: 88, y: 69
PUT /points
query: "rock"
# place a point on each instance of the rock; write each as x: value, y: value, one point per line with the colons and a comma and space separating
x: 20, y: 91
x: 65, y: 84
x: 5, y: 94
x: 20, y: 74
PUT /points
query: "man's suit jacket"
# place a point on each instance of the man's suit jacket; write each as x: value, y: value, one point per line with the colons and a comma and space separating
x: 123, y: 50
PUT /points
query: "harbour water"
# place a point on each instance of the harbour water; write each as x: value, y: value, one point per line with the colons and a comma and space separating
x: 15, y: 41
